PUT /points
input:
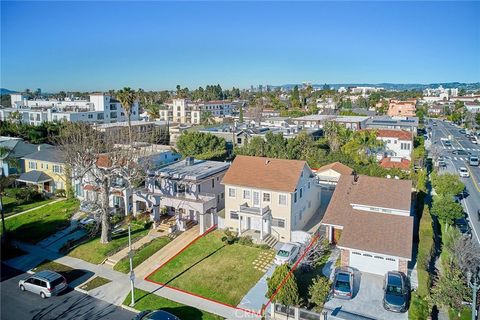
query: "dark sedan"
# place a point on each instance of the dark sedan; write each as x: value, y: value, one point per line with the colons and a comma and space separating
x: 396, y: 292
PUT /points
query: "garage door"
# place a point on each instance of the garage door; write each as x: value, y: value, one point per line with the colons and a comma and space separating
x: 372, y: 263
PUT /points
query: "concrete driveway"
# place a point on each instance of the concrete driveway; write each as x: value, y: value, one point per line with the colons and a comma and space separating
x: 367, y: 300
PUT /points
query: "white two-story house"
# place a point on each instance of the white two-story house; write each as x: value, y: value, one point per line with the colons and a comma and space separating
x: 267, y: 198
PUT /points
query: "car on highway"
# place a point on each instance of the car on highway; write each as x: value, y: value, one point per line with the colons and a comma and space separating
x: 463, y: 172
x: 155, y: 315
x: 473, y: 140
x: 473, y: 161
x: 396, y: 292
x: 342, y: 286
x: 459, y: 152
x: 46, y: 283
x: 287, y: 253
x: 434, y: 124
x: 447, y: 143
x: 463, y: 131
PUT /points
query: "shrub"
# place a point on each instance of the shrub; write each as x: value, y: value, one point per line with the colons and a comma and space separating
x: 61, y: 193
x: 229, y: 237
x: 246, y: 241
x: 27, y: 194
x: 318, y: 291
x: 419, y: 309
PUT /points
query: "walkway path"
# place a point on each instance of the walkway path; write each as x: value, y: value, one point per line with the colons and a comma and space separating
x: 43, y: 205
x: 329, y: 266
x: 152, y: 234
x: 167, y: 252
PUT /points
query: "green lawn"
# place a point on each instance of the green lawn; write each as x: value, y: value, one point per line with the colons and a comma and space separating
x: 95, y: 252
x: 94, y: 283
x: 465, y: 314
x: 11, y: 205
x: 150, y: 301
x: 40, y: 223
x: 142, y: 254
x: 69, y: 273
x: 212, y: 269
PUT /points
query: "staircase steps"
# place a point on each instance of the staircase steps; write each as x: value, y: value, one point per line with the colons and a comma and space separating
x: 270, y: 240
x: 109, y: 262
x: 191, y: 224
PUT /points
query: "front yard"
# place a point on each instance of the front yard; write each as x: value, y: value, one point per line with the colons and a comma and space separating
x: 12, y: 206
x: 69, y: 273
x: 142, y: 254
x: 213, y: 269
x: 149, y: 301
x: 95, y: 252
x: 38, y: 224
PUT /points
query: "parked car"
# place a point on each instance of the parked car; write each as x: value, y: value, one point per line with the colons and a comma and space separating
x: 396, y: 292
x: 459, y: 152
x: 46, y: 283
x: 463, y: 226
x: 463, y: 131
x: 155, y: 315
x: 342, y: 286
x: 287, y: 254
x: 463, y: 172
x: 447, y: 143
x: 473, y: 161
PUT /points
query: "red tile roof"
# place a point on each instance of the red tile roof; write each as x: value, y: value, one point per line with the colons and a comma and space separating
x: 399, y: 134
x: 387, y: 163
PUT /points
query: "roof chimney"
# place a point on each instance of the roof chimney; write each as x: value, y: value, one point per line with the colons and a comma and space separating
x: 267, y: 161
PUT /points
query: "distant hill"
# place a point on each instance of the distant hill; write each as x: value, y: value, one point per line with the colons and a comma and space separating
x: 6, y: 91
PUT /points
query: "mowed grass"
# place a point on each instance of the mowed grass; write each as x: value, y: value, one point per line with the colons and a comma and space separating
x: 69, y: 273
x: 95, y: 252
x: 142, y: 254
x: 38, y: 224
x: 11, y: 205
x: 212, y: 269
x: 149, y: 301
x: 94, y: 283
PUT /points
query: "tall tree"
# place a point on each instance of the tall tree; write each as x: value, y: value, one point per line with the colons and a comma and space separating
x: 127, y: 97
x: 287, y: 294
x: 446, y: 209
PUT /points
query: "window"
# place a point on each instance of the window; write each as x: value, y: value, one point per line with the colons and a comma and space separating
x: 301, y: 193
x: 282, y: 199
x: 32, y: 165
x: 295, y: 197
x: 389, y: 259
x: 405, y: 146
x: 280, y: 223
x: 309, y: 204
x: 57, y: 168
x: 223, y: 195
x: 246, y: 194
x: 231, y: 192
x: 266, y: 197
x: 100, y: 116
x: 378, y: 257
x: 233, y: 215
x: 357, y: 253
x: 90, y: 116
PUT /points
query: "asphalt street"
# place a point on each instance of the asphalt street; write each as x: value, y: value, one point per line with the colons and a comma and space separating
x: 70, y: 304
x: 471, y: 203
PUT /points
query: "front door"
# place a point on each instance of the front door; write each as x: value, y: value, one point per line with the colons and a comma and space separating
x: 256, y: 199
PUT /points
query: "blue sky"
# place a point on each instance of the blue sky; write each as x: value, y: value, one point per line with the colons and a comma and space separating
x: 156, y: 45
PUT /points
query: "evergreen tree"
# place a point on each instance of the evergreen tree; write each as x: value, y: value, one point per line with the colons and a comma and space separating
x: 288, y: 294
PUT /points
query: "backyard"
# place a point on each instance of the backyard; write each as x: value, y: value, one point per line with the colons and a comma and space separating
x: 213, y: 269
x: 95, y: 252
x: 38, y: 224
x: 149, y: 301
x: 143, y: 253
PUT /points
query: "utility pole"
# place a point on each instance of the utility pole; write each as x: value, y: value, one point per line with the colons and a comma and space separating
x: 472, y: 283
x: 132, y: 274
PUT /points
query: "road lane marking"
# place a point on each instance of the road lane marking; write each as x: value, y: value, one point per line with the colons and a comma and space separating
x: 470, y: 218
x: 455, y: 158
x: 473, y: 179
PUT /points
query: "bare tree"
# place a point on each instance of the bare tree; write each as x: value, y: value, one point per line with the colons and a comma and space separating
x: 467, y: 253
x: 97, y: 160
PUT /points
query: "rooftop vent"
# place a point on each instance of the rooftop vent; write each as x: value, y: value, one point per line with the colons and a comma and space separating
x: 189, y: 161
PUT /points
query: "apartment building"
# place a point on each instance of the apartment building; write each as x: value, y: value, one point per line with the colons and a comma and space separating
x: 99, y: 108
x: 186, y: 111
x: 402, y: 108
x: 267, y: 198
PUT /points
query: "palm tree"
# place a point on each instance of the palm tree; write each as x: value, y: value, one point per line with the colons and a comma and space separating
x: 152, y: 110
x: 127, y: 97
x: 207, y: 118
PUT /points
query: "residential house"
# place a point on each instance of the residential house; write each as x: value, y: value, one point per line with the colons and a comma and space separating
x: 319, y: 120
x: 396, y: 144
x: 189, y: 112
x: 330, y: 174
x: 189, y: 190
x: 13, y: 150
x: 370, y: 220
x: 402, y: 108
x: 45, y: 169
x: 270, y: 198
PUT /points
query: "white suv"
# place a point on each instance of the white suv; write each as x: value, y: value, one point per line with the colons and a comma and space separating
x: 463, y: 172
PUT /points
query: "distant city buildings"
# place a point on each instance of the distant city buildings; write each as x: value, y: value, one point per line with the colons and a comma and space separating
x: 189, y: 112
x: 99, y: 108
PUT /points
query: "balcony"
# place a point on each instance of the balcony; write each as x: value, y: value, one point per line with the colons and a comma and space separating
x: 245, y: 208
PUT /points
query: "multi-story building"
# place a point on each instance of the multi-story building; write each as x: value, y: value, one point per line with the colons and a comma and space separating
x: 402, y: 108
x: 270, y: 198
x: 186, y: 111
x: 396, y: 123
x: 397, y: 143
x: 100, y: 108
x: 318, y: 121
x: 189, y: 190
x: 45, y: 169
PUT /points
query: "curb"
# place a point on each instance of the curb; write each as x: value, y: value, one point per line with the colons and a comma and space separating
x: 130, y: 308
x: 81, y: 290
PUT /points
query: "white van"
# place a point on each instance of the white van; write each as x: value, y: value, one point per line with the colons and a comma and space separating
x: 473, y: 161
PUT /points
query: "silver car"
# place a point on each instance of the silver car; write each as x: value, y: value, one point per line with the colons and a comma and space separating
x: 287, y: 253
x: 45, y: 283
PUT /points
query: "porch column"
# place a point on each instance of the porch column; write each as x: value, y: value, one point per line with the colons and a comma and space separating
x: 330, y: 234
x: 239, y: 224
x: 202, y: 221
x: 261, y: 228
x: 213, y: 216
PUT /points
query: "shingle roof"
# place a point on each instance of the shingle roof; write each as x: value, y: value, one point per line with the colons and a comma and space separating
x: 34, y: 176
x: 264, y: 173
x: 371, y: 231
x: 399, y: 134
x: 48, y: 154
x: 336, y: 166
x: 18, y: 148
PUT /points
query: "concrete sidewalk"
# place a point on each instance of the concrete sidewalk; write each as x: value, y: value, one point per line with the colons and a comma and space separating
x: 167, y: 252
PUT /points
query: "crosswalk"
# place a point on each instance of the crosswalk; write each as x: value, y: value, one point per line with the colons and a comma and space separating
x: 466, y: 149
x: 456, y: 158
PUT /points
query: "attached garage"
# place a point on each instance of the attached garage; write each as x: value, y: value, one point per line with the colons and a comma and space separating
x: 372, y: 263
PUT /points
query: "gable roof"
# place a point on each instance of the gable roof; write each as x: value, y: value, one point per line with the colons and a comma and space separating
x: 264, y: 173
x: 49, y: 154
x: 17, y: 148
x: 388, y: 163
x: 372, y: 231
x: 336, y: 166
x: 399, y: 134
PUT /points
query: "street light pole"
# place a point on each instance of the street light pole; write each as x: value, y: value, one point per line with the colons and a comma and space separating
x: 472, y: 283
x: 132, y: 274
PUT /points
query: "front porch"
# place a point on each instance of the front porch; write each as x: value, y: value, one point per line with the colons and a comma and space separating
x: 41, y: 181
x: 256, y: 222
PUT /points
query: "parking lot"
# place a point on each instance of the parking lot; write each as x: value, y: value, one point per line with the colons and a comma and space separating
x: 367, y: 300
